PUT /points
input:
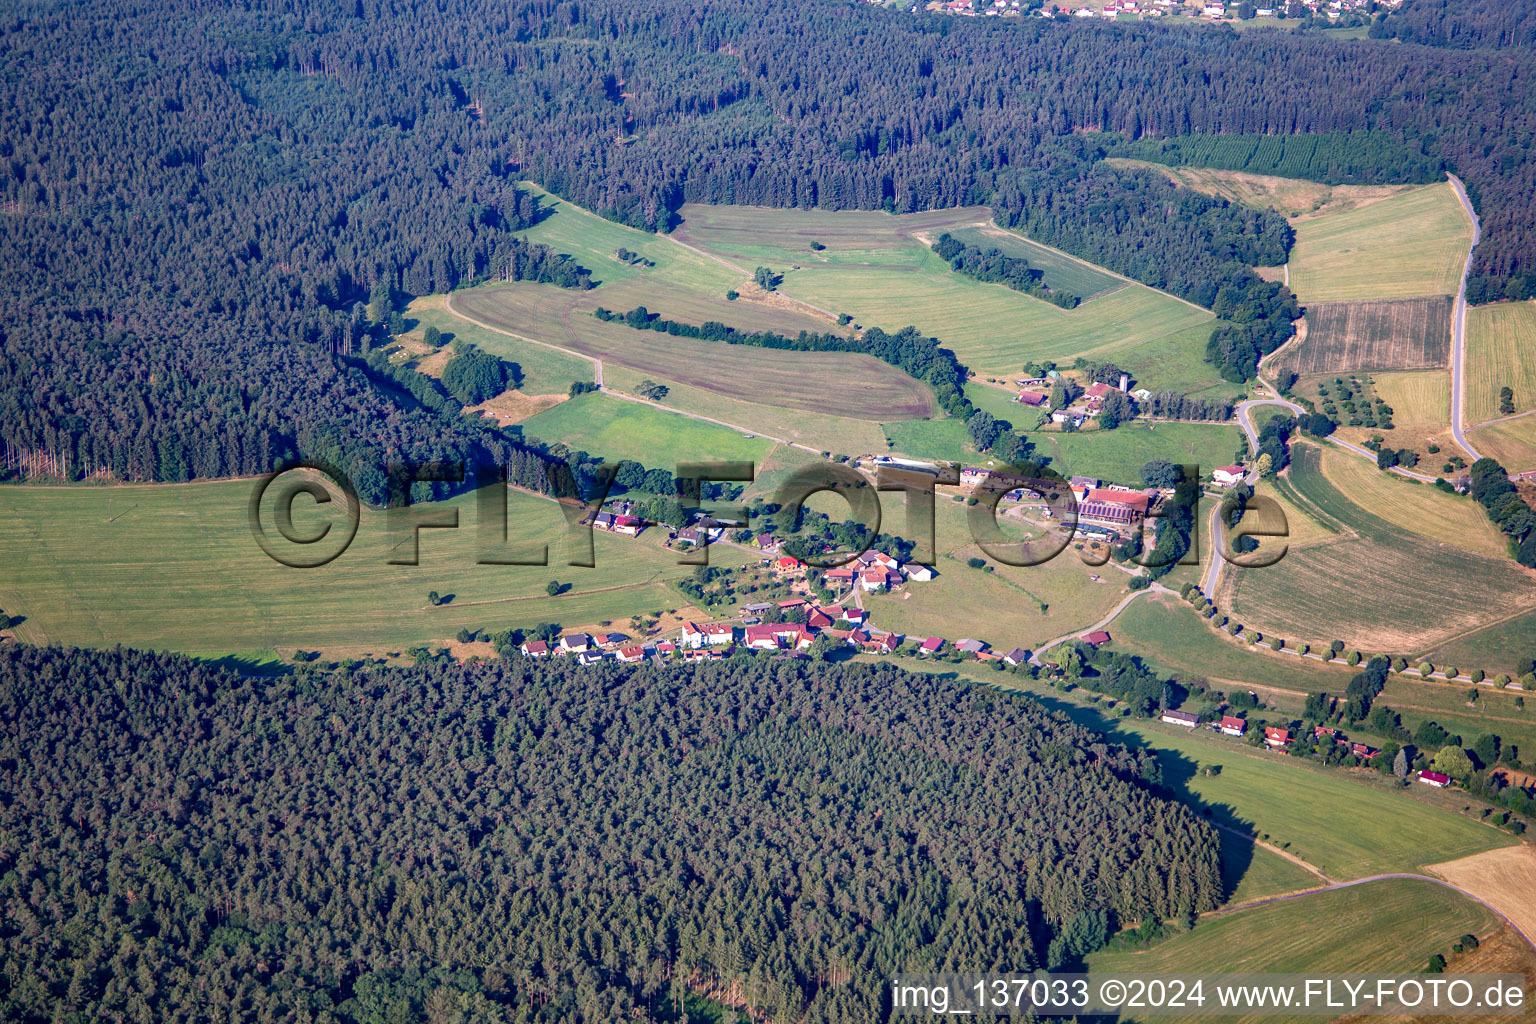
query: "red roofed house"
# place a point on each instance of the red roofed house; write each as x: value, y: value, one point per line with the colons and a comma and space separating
x: 631, y: 654
x: 788, y: 566
x: 1277, y: 737
x: 854, y: 614
x: 535, y: 649
x: 1098, y: 389
x: 628, y: 525
x: 842, y: 574
x: 819, y: 618
x: 1322, y: 730
x: 1363, y: 751
x: 933, y: 645
x: 1033, y: 398
x: 1233, y: 726
x: 1098, y: 638
x: 1436, y: 779
x: 762, y: 638
x: 794, y: 602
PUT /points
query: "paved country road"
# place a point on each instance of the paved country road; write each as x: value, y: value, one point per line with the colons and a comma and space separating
x: 1459, y: 327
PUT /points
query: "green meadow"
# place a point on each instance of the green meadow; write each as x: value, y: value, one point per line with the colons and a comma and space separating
x: 176, y: 566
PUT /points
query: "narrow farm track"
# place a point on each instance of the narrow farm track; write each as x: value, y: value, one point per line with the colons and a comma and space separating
x: 1459, y: 327
x: 1156, y: 588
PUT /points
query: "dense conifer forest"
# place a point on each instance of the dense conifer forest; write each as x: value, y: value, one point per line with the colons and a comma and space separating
x: 535, y: 841
x: 207, y: 211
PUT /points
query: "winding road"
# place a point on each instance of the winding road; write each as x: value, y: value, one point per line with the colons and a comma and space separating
x: 1459, y: 328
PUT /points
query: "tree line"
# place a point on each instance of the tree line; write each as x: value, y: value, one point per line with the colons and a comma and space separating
x: 538, y: 841
x: 994, y: 266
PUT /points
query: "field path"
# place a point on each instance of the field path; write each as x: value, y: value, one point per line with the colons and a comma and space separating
x: 1156, y: 588
x: 1459, y: 327
x: 1278, y: 852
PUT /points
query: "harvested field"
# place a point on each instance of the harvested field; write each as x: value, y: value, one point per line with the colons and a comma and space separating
x: 1501, y: 352
x: 865, y: 387
x: 1407, y: 334
x: 1410, y: 245
x: 1505, y: 878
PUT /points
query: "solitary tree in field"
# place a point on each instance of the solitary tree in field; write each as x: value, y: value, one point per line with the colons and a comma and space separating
x: 1264, y: 465
x: 1400, y: 763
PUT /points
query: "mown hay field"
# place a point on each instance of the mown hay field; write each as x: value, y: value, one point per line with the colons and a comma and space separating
x: 1501, y: 352
x: 828, y: 433
x: 1390, y: 335
x: 176, y: 566
x: 782, y: 238
x: 837, y: 383
x: 1420, y: 509
x: 995, y: 330
x: 1378, y: 586
x: 1406, y: 246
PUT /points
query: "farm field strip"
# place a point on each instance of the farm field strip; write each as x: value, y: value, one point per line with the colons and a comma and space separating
x: 1424, y: 511
x: 1501, y: 352
x: 851, y: 384
x: 618, y: 429
x: 1058, y: 270
x: 1404, y: 334
x: 1407, y: 246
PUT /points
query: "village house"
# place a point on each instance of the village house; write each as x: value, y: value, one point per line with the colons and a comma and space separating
x: 1228, y: 476
x: 629, y: 655
x: 1363, y: 751
x: 1098, y: 638
x: 1016, y: 657
x: 970, y: 646
x: 575, y: 643
x: 787, y: 567
x: 1233, y: 726
x: 919, y: 573
x: 1034, y: 399
x: 534, y: 649
x: 1185, y: 718
x: 933, y: 645
x: 711, y: 634
x: 1437, y: 779
x: 1277, y: 737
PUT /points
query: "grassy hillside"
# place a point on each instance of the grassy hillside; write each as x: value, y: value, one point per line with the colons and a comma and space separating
x: 176, y: 567
x: 619, y: 429
x: 1294, y: 198
x: 1414, y: 507
x: 1393, y: 925
x: 1409, y: 245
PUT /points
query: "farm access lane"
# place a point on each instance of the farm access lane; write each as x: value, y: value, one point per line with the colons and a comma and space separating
x: 1459, y: 327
